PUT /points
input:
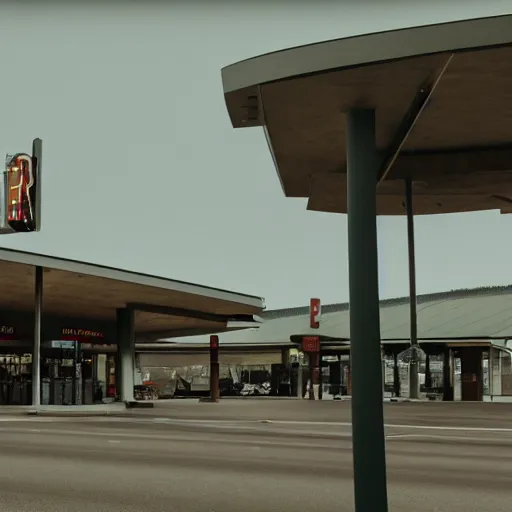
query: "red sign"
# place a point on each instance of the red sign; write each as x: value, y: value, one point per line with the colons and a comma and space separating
x: 20, y: 180
x: 315, y: 310
x: 214, y: 342
x: 311, y: 344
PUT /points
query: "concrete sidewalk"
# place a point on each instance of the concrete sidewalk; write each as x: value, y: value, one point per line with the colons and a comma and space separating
x: 473, y: 414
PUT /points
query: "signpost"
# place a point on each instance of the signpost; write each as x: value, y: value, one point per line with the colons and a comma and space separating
x: 214, y: 368
x: 311, y: 346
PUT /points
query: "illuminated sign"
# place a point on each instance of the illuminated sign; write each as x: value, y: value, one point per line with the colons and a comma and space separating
x: 99, y: 346
x: 20, y: 192
x: 20, y: 180
x: 311, y: 344
x: 81, y: 334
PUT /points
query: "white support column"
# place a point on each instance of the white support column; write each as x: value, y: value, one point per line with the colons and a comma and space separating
x: 36, y: 351
x: 497, y: 374
x: 490, y: 366
x: 300, y: 358
x: 126, y: 348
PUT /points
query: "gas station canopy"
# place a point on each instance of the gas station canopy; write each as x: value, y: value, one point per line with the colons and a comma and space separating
x: 163, y: 307
x: 443, y: 100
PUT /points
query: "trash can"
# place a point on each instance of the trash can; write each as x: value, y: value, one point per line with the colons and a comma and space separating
x: 88, y: 389
x: 56, y: 398
x: 16, y: 393
x: 26, y: 392
x: 4, y: 392
x: 67, y: 386
x: 78, y: 391
x: 45, y: 391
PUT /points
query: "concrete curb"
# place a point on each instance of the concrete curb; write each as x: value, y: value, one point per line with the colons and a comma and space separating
x: 77, y: 414
x: 68, y: 410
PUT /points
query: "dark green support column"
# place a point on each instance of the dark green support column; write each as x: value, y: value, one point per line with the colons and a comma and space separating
x: 414, y: 365
x: 335, y: 378
x: 396, y: 375
x: 428, y: 373
x: 370, y: 490
x: 448, y: 394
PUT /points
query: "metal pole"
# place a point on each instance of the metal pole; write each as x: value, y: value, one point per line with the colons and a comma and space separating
x: 490, y: 373
x: 370, y: 492
x: 36, y: 351
x: 428, y: 373
x: 447, y: 375
x: 214, y: 369
x: 214, y: 382
x: 320, y: 377
x: 311, y: 394
x: 37, y: 155
x: 414, y: 387
x: 75, y: 372
x: 299, y: 377
x: 396, y: 375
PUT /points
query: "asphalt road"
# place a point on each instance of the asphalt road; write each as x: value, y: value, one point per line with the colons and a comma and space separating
x: 172, y: 461
x: 469, y: 414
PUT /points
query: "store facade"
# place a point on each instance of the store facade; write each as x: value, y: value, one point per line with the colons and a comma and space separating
x: 78, y: 360
x: 68, y: 328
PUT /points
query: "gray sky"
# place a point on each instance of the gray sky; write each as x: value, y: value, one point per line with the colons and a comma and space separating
x: 143, y: 171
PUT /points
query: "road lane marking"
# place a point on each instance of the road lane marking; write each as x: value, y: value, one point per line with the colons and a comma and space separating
x: 247, y: 423
x: 11, y: 419
x: 462, y: 438
x: 237, y: 423
x: 244, y: 424
x: 390, y: 425
x: 311, y: 442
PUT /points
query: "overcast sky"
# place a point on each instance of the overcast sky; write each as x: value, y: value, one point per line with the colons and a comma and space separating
x: 143, y: 171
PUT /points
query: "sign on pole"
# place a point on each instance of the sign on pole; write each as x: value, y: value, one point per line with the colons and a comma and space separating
x: 315, y: 311
x: 20, y: 192
x: 214, y: 368
x: 311, y: 344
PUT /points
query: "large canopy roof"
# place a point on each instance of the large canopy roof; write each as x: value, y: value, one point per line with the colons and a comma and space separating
x: 443, y: 100
x: 475, y: 314
x: 164, y: 308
